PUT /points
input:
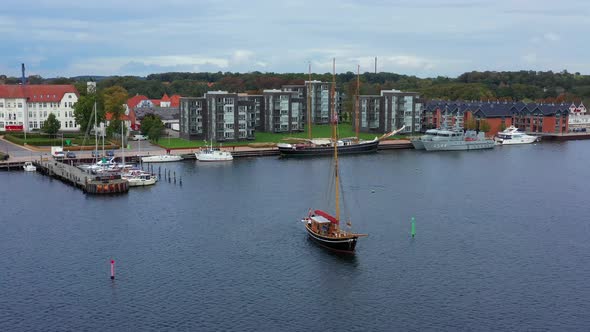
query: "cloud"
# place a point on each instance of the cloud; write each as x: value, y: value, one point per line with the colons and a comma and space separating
x: 145, y: 65
x: 550, y: 36
x: 416, y: 37
x: 529, y: 58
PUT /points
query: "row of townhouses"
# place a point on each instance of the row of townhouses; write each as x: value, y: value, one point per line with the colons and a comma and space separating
x: 531, y: 117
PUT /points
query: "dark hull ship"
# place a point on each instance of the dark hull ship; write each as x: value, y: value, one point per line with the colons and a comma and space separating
x: 310, y: 150
x: 322, y: 227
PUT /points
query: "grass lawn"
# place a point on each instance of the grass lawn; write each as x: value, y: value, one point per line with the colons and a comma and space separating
x: 319, y: 131
x: 37, y: 139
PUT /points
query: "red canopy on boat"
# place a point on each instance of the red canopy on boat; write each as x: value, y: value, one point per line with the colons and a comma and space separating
x: 332, y: 219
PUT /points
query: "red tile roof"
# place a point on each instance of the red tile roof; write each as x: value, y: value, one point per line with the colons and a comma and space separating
x: 165, y: 97
x: 37, y: 92
x: 109, y: 117
x: 175, y: 101
x: 133, y: 101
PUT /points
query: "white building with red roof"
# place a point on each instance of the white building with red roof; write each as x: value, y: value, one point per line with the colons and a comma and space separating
x: 144, y: 105
x: 579, y: 119
x: 26, y: 107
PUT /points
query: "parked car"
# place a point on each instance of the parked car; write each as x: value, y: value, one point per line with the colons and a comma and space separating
x: 110, y: 153
x: 70, y: 154
x: 96, y: 154
x: 4, y: 156
x: 139, y: 137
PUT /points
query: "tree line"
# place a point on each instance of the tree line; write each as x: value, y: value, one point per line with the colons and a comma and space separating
x: 527, y: 86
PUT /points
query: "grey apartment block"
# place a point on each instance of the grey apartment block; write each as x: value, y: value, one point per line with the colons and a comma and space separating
x: 283, y: 111
x: 320, y: 101
x: 258, y: 104
x: 219, y: 116
x: 370, y: 113
x: 193, y: 117
x: 391, y: 110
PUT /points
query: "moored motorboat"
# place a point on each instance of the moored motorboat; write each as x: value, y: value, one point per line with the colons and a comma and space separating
x: 512, y: 136
x: 138, y: 178
x: 161, y: 158
x: 211, y: 154
x: 29, y: 167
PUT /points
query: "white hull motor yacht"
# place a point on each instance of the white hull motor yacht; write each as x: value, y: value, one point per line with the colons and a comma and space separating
x: 29, y: 167
x: 512, y: 135
x: 210, y: 154
x: 161, y: 158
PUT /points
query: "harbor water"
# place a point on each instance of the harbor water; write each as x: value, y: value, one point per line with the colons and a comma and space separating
x: 501, y: 243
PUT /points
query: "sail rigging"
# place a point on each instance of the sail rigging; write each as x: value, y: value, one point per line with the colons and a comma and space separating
x: 309, y: 105
x: 357, y: 106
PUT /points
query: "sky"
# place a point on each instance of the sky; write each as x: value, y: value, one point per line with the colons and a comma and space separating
x: 425, y: 38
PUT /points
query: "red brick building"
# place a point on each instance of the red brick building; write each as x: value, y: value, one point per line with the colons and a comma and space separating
x: 532, y: 118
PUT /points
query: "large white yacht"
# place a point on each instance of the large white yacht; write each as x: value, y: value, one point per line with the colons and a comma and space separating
x: 511, y: 135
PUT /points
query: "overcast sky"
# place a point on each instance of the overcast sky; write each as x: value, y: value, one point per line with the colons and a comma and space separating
x: 416, y: 37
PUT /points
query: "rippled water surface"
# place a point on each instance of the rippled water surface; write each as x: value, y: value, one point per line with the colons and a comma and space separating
x: 503, y: 242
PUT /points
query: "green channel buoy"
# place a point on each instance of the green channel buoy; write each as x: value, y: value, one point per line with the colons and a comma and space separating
x: 413, y: 231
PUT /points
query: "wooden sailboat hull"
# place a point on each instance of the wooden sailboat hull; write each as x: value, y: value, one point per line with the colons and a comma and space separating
x: 346, y: 245
x: 365, y: 147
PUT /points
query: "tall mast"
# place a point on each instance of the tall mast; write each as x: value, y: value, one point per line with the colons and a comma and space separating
x: 309, y: 105
x: 95, y: 131
x: 357, y: 107
x: 335, y: 140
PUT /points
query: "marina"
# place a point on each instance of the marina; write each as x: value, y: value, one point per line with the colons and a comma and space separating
x: 478, y: 261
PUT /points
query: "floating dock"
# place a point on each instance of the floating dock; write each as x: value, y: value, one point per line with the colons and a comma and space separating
x: 86, y: 180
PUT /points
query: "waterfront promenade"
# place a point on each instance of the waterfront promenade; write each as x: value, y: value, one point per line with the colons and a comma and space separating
x: 19, y: 154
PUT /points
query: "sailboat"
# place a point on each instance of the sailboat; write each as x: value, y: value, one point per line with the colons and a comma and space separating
x: 308, y: 147
x: 321, y: 226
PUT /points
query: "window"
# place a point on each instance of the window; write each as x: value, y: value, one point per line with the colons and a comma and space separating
x: 44, y: 105
x: 20, y: 105
x: 1, y: 105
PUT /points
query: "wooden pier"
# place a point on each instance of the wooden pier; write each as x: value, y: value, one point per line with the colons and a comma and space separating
x: 86, y: 180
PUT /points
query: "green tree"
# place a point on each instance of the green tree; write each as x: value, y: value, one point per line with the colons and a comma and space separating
x: 502, y: 126
x: 114, y: 99
x: 152, y: 126
x: 83, y: 111
x: 470, y: 124
x: 484, y: 126
x: 51, y: 125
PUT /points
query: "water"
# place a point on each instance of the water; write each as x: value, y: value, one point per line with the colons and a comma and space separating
x: 501, y: 243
